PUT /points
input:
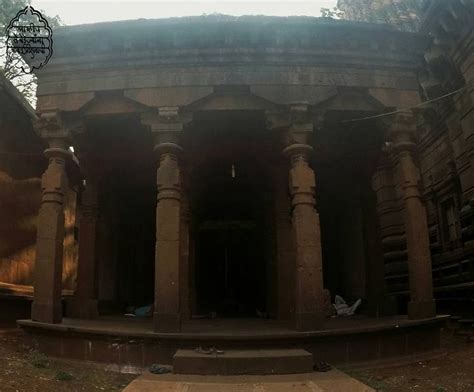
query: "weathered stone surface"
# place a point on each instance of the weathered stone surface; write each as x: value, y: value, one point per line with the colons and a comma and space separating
x: 84, y: 302
x: 168, y: 301
x: 235, y: 362
x: 416, y: 227
x: 309, y: 290
x: 46, y: 305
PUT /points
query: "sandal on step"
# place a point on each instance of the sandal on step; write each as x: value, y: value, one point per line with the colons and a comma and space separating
x: 322, y: 367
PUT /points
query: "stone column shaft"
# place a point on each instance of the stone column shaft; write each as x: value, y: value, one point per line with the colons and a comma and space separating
x: 84, y: 303
x: 309, y: 290
x: 166, y: 128
x: 184, y: 267
x: 376, y: 288
x: 422, y: 304
x: 284, y: 245
x: 46, y: 305
x: 166, y: 316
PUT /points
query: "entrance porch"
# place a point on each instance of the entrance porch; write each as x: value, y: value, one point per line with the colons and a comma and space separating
x: 240, y: 230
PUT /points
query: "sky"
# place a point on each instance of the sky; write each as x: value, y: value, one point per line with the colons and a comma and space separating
x: 74, y: 12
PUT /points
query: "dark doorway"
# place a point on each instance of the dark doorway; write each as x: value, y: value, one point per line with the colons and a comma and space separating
x: 230, y: 253
x: 228, y: 274
x: 230, y: 187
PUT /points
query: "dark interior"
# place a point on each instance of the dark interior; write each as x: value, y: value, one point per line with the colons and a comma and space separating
x: 230, y: 266
x: 230, y: 194
x: 344, y: 162
x: 136, y: 206
x: 127, y: 211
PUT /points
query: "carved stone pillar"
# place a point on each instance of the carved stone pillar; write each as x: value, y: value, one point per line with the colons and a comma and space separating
x: 46, y: 305
x: 166, y: 129
x: 422, y: 304
x: 309, y: 291
x: 84, y: 303
x: 184, y: 268
x: 284, y: 246
x: 377, y: 303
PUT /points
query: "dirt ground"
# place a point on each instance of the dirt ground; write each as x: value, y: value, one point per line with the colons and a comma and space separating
x: 453, y: 372
x: 22, y: 369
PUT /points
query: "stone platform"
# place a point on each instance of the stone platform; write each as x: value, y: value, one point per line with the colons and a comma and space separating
x: 130, y: 344
x: 332, y: 381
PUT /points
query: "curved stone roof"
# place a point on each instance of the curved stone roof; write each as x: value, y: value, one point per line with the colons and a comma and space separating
x: 124, y: 38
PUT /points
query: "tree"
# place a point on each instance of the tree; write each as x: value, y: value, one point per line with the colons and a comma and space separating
x: 333, y: 13
x: 25, y: 83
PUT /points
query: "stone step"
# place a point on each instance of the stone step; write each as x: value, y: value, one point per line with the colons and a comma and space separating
x: 240, y: 362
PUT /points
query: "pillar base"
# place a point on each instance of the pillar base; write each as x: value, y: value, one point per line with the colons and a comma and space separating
x: 166, y: 322
x: 46, y: 313
x: 421, y: 309
x: 85, y: 308
x: 309, y: 321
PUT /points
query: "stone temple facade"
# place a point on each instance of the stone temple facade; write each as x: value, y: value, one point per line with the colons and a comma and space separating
x: 250, y: 169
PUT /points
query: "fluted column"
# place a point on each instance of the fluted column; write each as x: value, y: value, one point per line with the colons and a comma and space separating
x: 84, y: 302
x: 422, y: 304
x: 309, y: 290
x: 166, y: 130
x: 46, y: 305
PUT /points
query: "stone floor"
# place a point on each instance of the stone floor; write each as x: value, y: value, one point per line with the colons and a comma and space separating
x: 332, y: 381
x: 222, y: 327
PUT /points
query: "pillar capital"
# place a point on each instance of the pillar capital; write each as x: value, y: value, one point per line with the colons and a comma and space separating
x: 300, y: 124
x: 50, y: 126
x: 401, y: 132
x: 295, y: 121
x: 166, y: 124
x: 402, y: 128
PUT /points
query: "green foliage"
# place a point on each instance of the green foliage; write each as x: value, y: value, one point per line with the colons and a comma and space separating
x: 38, y: 360
x: 26, y: 84
x: 333, y: 13
x: 9, y: 9
x: 64, y: 376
